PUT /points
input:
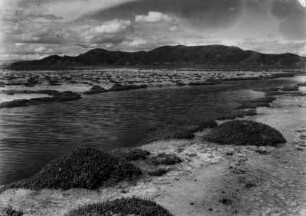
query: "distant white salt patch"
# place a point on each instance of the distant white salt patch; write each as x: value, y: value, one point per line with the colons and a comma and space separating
x: 8, y: 98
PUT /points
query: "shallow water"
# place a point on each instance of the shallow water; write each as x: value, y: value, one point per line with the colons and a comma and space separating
x: 32, y: 136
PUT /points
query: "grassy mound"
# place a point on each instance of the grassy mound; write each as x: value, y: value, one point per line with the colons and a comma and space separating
x: 245, y: 133
x: 86, y: 168
x: 131, y: 154
x: 183, y: 130
x: 124, y: 206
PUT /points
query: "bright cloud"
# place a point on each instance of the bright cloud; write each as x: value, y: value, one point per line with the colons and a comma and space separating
x: 110, y: 27
x: 152, y: 17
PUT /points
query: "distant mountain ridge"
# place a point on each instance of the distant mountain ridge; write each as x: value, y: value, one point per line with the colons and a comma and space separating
x: 210, y: 55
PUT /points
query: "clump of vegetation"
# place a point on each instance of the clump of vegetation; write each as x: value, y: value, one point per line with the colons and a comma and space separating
x: 87, y: 168
x: 165, y: 159
x: 245, y: 133
x: 131, y: 154
x: 9, y: 211
x: 125, y: 206
x: 183, y: 130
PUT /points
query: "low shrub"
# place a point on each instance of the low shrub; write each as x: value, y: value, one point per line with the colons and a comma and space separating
x: 131, y: 154
x: 87, y: 168
x: 245, y: 133
x: 9, y: 211
x: 165, y: 159
x: 124, y: 206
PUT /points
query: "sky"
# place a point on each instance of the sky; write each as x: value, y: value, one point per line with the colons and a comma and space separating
x: 33, y: 29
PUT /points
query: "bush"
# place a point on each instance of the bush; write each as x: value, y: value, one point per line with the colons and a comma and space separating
x: 9, y: 211
x: 245, y: 133
x: 165, y: 159
x: 131, y: 154
x: 158, y: 172
x: 86, y: 168
x: 124, y: 206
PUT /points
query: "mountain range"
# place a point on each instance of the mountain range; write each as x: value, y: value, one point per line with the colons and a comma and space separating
x: 189, y: 56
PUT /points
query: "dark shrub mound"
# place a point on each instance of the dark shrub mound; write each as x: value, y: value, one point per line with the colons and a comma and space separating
x: 165, y: 159
x: 245, y: 133
x: 86, y: 168
x: 125, y: 206
x: 95, y: 90
x: 131, y: 154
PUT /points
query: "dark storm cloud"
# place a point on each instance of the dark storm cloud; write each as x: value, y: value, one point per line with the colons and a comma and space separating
x: 208, y: 13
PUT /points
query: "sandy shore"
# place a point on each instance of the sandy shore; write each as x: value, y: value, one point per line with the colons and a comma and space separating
x: 211, y: 180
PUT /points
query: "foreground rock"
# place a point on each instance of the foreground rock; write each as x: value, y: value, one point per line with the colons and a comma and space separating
x: 84, y: 168
x: 245, y: 133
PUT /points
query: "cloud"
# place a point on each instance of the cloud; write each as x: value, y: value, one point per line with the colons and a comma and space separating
x: 173, y: 28
x: 110, y: 27
x: 136, y: 42
x: 110, y: 32
x: 208, y: 13
x: 152, y: 17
